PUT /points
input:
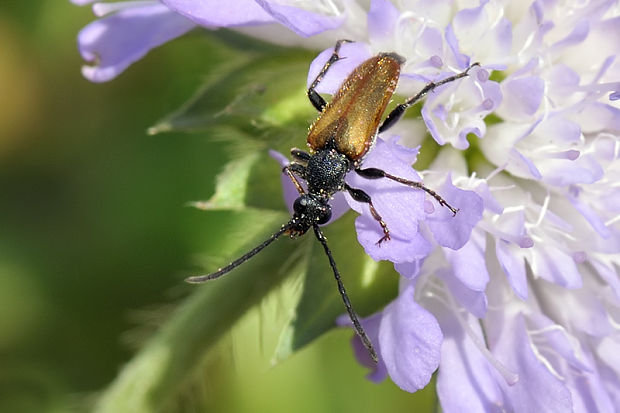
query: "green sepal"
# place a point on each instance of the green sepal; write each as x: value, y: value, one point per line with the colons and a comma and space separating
x: 251, y: 93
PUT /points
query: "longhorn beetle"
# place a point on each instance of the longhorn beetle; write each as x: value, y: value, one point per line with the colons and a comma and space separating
x: 338, y: 140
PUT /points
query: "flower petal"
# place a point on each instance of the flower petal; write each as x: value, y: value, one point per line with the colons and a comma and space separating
x: 410, y: 340
x: 469, y: 263
x: 455, y: 110
x: 116, y: 41
x: 371, y: 324
x: 215, y: 13
x: 303, y: 22
x: 537, y: 389
x: 400, y: 207
x: 474, y: 301
x: 555, y: 266
x: 513, y: 266
x: 382, y: 20
x: 409, y: 270
x: 465, y: 376
x: 396, y: 249
x: 454, y: 231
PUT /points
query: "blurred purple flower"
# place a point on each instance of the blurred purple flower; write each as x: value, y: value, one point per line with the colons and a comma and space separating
x: 124, y: 34
x: 127, y: 30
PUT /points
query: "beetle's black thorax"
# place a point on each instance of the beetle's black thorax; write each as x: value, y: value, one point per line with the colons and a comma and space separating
x: 326, y: 171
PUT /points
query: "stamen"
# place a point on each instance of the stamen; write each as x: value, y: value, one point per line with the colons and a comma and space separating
x: 546, y: 362
x: 516, y: 208
x: 543, y: 211
x: 509, y: 376
x: 612, y: 221
x: 562, y: 233
x: 332, y: 7
x: 497, y: 171
x: 539, y: 340
x: 496, y: 188
x: 434, y: 289
x: 615, y: 324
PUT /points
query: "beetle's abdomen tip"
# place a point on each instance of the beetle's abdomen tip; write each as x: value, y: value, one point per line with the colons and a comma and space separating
x: 393, y: 55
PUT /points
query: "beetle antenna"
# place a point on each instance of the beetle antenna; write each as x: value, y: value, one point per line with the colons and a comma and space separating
x: 345, y: 298
x: 203, y: 278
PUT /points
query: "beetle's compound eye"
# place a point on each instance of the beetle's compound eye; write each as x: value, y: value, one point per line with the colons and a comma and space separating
x: 326, y: 214
x: 301, y: 205
x: 311, y: 210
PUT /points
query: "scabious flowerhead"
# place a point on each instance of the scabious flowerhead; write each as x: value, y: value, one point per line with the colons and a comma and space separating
x: 516, y: 300
x: 526, y: 303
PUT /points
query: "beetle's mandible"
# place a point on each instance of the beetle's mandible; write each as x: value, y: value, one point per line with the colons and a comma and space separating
x: 339, y: 139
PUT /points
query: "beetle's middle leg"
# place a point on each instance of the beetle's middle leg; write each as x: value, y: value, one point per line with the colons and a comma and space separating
x: 399, y: 110
x: 361, y: 196
x: 375, y: 173
x: 317, y: 101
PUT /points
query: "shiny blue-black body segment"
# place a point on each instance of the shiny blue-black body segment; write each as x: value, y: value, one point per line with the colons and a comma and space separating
x: 325, y: 172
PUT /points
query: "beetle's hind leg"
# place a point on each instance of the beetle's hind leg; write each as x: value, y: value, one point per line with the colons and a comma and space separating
x: 399, y: 110
x: 317, y: 101
x: 361, y: 196
x: 375, y: 173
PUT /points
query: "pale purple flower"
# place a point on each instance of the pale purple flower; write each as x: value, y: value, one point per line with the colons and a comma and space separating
x: 524, y: 285
x: 529, y: 304
x: 516, y: 300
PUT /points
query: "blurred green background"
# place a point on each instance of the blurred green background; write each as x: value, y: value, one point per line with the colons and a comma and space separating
x: 95, y: 238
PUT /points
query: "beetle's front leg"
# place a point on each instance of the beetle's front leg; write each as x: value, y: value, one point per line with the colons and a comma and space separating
x: 300, y: 156
x: 317, y: 101
x: 399, y: 110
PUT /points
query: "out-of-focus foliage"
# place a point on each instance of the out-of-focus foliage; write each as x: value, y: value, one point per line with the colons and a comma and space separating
x: 95, y: 238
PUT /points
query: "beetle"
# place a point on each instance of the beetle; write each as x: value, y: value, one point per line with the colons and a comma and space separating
x: 340, y: 137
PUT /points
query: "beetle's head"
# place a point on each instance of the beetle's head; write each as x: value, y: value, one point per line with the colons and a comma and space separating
x: 309, y: 210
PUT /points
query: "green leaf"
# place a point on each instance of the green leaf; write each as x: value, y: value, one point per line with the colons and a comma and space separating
x: 232, y: 185
x: 370, y: 286
x: 251, y: 181
x: 154, y: 376
x: 251, y: 93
